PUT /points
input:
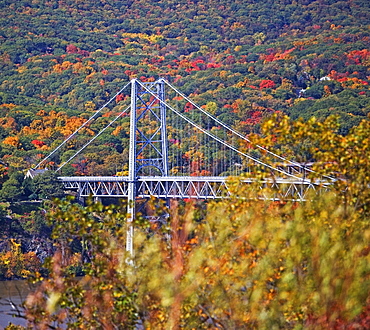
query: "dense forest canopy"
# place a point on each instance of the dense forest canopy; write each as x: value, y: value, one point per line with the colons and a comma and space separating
x: 241, y: 60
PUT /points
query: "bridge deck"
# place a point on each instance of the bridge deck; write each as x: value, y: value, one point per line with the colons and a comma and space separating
x: 184, y: 187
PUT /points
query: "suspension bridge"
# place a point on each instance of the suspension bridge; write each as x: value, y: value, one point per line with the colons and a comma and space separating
x: 177, y: 149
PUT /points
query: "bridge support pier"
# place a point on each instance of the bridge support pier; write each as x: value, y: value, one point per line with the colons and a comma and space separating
x: 81, y: 200
x: 131, y: 172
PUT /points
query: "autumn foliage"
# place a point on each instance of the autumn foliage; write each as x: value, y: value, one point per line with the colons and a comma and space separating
x: 258, y: 264
x: 236, y: 263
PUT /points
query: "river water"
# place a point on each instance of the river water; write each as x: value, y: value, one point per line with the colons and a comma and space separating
x: 12, y: 294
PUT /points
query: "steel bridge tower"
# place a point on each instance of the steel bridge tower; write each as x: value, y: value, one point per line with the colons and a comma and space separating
x: 148, y: 151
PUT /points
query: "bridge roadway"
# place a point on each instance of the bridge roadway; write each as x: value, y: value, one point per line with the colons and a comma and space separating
x: 187, y: 187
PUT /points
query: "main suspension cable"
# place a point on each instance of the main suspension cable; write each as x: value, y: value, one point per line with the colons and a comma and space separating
x: 82, y: 126
x: 95, y: 137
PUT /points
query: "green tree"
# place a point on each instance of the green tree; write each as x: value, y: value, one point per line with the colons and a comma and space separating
x: 12, y: 189
x: 47, y: 185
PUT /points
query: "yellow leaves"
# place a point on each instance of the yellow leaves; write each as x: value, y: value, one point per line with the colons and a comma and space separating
x: 286, y: 84
x: 21, y: 69
x: 8, y: 122
x: 118, y: 294
x: 243, y: 83
x: 324, y: 214
x: 223, y: 74
x: 89, y: 77
x: 12, y: 141
x: 106, y: 287
x: 58, y: 68
x: 268, y: 124
x: 228, y: 271
x: 10, y: 106
x: 16, y: 263
x: 78, y: 68
x: 335, y: 27
x: 71, y: 125
x: 90, y: 106
x: 52, y: 302
x: 153, y: 39
x: 25, y: 273
x: 122, y: 173
x: 211, y: 107
x: 259, y: 38
x: 160, y: 315
x: 47, y: 133
x: 15, y: 246
x: 41, y: 113
x: 237, y: 25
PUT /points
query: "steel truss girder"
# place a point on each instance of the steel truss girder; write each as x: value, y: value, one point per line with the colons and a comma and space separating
x: 102, y: 188
x: 190, y: 187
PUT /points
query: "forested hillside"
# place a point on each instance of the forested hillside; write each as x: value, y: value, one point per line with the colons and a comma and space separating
x: 61, y: 61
